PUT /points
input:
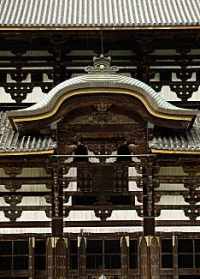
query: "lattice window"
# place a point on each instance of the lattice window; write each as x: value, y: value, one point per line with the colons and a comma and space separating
x: 14, y: 255
x: 103, y: 254
x: 189, y: 253
x: 166, y: 253
x: 133, y: 253
x: 40, y: 251
x: 73, y: 254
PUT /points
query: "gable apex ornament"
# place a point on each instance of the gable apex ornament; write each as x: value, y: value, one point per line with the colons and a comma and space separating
x: 102, y: 65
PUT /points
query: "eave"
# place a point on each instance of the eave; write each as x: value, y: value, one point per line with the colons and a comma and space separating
x: 26, y: 153
x: 98, y: 28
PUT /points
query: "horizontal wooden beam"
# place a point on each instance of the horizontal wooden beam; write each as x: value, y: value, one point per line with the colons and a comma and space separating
x: 113, y: 223
x: 25, y: 224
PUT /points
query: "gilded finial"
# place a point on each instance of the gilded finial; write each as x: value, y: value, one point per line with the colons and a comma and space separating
x: 101, y: 64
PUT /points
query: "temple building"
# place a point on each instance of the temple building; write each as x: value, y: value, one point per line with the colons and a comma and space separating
x: 99, y: 139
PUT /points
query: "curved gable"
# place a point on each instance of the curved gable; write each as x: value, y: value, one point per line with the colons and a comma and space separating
x: 105, y: 83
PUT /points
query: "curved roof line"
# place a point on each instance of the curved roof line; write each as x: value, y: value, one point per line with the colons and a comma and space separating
x: 102, y: 83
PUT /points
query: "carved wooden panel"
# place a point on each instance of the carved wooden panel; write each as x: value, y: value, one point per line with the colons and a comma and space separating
x: 102, y: 178
x: 101, y: 121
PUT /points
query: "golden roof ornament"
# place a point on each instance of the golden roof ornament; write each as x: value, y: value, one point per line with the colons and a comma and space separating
x: 102, y: 65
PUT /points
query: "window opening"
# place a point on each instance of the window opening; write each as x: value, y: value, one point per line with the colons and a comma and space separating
x: 73, y: 254
x: 14, y: 255
x: 40, y: 252
x: 166, y: 253
x: 103, y: 254
x: 133, y: 253
x: 189, y: 253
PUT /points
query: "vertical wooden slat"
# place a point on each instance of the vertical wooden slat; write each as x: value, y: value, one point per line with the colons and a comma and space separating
x: 175, y: 257
x: 155, y: 258
x: 82, y: 257
x: 57, y: 200
x: 124, y: 258
x: 31, y: 258
x: 60, y: 259
x: 49, y: 258
x: 148, y: 197
x: 144, y: 263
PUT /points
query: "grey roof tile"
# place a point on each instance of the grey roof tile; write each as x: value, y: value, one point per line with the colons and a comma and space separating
x: 11, y: 141
x: 187, y: 141
x: 98, y: 13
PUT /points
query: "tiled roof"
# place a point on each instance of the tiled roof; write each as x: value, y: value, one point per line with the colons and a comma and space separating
x: 98, y: 13
x: 189, y: 141
x: 12, y: 142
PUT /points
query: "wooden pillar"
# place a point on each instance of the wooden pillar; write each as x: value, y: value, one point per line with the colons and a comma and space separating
x: 57, y: 245
x: 56, y: 264
x: 31, y: 258
x: 149, y: 258
x: 82, y: 257
x: 124, y: 257
x: 175, y: 257
x: 50, y: 258
x: 148, y: 198
x: 60, y: 259
x: 144, y: 259
x: 57, y: 201
x: 155, y: 258
x: 149, y: 246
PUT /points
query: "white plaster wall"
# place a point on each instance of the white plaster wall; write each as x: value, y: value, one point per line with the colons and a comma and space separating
x: 124, y: 215
x: 172, y: 215
x: 171, y: 187
x: 175, y: 171
x: 103, y: 229
x: 23, y: 231
x: 33, y: 172
x: 89, y: 215
x: 172, y: 200
x: 33, y: 216
x: 33, y: 188
x: 178, y: 229
x: 36, y: 201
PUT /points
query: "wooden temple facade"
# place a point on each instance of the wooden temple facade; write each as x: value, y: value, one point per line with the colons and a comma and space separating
x: 99, y: 139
